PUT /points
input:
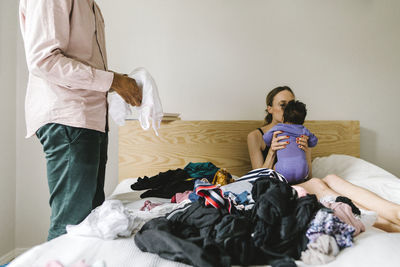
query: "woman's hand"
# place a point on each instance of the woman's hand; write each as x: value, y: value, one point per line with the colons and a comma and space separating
x: 277, y: 143
x: 302, y: 142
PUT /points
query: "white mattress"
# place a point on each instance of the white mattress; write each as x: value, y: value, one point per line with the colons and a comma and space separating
x: 371, y: 248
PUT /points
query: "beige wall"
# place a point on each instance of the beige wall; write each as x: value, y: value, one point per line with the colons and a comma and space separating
x: 8, y: 26
x: 218, y: 59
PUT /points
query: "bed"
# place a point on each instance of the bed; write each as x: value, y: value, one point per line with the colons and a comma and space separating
x: 223, y: 143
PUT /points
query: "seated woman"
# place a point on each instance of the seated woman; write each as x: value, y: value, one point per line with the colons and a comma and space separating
x: 262, y: 156
x: 292, y: 162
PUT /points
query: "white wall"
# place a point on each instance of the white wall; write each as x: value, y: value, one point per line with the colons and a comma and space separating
x: 8, y: 26
x: 222, y: 57
x: 217, y: 59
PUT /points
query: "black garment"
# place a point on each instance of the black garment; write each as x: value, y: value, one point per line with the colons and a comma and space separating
x: 160, y: 236
x: 185, y: 235
x: 230, y: 232
x: 281, y: 218
x: 274, y: 233
x: 165, y: 184
x: 284, y: 262
x: 265, y: 151
x: 233, y: 234
x: 348, y: 201
x: 160, y: 179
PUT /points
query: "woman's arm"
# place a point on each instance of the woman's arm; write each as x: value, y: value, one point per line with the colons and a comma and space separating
x: 270, y: 160
x: 255, y: 149
x: 255, y: 144
x: 309, y: 162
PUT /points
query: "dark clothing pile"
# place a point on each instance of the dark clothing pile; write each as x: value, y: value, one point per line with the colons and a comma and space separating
x: 280, y: 218
x: 167, y: 184
x: 348, y: 201
x: 272, y: 232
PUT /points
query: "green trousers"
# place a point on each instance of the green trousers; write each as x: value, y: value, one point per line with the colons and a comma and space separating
x: 76, y: 164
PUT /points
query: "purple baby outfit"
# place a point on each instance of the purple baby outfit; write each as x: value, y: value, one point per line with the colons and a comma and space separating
x: 292, y: 162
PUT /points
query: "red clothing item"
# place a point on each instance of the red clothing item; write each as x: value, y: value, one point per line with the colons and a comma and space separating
x: 179, y: 197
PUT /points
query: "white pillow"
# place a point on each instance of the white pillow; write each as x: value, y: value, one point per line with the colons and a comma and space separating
x: 359, y: 172
x: 124, y: 187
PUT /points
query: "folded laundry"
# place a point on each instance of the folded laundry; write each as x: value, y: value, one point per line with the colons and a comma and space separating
x: 149, y: 111
x: 108, y: 221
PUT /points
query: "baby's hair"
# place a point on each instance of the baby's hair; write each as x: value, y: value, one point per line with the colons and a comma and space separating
x: 270, y: 98
x: 295, y: 112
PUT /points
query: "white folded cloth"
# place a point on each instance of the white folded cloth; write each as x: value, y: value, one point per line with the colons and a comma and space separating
x: 108, y: 221
x: 149, y: 110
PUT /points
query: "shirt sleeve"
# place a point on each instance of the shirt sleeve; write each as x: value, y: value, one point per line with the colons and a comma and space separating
x: 46, y: 37
x: 312, y: 140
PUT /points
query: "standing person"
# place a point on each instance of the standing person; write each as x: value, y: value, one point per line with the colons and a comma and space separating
x: 263, y: 156
x: 66, y: 101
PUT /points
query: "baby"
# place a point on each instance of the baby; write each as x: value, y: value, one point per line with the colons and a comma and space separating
x: 292, y: 162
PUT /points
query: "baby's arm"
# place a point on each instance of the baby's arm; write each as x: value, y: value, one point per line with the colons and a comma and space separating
x: 312, y: 140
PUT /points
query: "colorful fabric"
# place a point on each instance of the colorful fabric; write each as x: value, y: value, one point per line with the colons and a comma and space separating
x: 325, y: 222
x: 201, y: 170
x: 212, y: 194
x: 222, y: 177
x: 238, y: 199
x: 343, y: 212
x: 148, y: 205
x: 179, y: 197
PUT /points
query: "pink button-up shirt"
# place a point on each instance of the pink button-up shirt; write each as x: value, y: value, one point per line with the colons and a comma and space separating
x: 66, y: 56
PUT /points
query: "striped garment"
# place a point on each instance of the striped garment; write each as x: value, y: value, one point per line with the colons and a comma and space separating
x: 262, y: 172
x: 212, y: 194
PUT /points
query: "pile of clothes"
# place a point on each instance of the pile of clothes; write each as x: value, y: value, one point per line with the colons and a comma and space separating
x: 277, y: 226
x: 214, y: 220
x: 167, y: 184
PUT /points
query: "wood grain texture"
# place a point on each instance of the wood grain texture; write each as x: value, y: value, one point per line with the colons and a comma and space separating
x: 223, y: 143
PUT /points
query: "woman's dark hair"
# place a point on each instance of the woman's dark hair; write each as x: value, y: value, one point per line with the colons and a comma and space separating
x: 270, y: 98
x: 295, y: 112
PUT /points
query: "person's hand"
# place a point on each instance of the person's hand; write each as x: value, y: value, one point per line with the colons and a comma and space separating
x: 302, y: 142
x: 277, y: 143
x: 127, y: 88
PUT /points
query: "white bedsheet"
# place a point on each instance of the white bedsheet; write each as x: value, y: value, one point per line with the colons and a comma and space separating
x: 371, y: 248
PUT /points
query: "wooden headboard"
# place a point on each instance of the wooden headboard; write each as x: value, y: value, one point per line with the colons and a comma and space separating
x: 223, y: 143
